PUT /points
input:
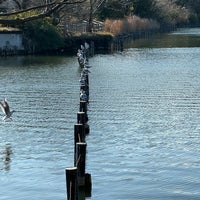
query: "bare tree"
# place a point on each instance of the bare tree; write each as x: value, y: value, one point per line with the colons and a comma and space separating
x: 47, y: 8
x: 94, y: 5
x: 86, y: 12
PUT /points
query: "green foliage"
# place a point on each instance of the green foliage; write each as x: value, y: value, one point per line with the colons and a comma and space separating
x: 166, y: 12
x: 42, y: 36
x: 170, y: 13
x: 115, y: 9
x: 102, y: 41
x: 145, y: 8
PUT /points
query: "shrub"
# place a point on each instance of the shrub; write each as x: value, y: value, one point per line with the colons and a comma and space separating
x: 129, y: 25
x: 41, y: 36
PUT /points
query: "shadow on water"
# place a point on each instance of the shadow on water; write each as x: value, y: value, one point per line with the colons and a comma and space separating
x: 27, y: 61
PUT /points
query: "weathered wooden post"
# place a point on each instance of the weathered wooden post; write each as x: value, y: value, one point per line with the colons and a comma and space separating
x: 81, y: 118
x: 72, y: 183
x: 83, y: 108
x: 79, y: 133
x: 79, y: 136
x: 80, y: 162
x: 84, y: 87
x: 86, y: 77
x: 88, y: 185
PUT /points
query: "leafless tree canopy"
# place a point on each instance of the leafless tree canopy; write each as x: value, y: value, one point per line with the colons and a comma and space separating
x: 40, y: 9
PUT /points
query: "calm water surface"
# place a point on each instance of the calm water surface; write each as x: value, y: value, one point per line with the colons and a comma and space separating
x: 144, y: 115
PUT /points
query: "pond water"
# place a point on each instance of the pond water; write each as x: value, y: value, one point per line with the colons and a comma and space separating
x: 144, y: 115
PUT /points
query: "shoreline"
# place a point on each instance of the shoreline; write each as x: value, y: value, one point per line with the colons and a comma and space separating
x: 100, y: 42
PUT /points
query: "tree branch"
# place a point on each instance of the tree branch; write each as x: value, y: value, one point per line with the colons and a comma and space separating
x: 56, y: 2
x: 55, y: 5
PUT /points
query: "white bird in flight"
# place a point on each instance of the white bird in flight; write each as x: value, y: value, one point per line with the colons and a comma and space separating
x: 6, y: 110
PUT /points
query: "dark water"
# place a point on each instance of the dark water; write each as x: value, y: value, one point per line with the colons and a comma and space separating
x: 144, y: 115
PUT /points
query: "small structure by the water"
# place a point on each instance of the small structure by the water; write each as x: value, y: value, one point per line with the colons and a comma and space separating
x: 11, y: 41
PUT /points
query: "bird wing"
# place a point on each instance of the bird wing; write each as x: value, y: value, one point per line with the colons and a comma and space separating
x: 2, y: 108
x: 6, y: 106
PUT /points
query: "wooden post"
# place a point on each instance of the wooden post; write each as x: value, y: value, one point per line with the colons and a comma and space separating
x: 88, y: 185
x: 79, y: 136
x: 84, y: 87
x: 81, y: 118
x: 80, y: 162
x: 86, y: 77
x: 71, y: 183
x: 79, y: 133
x: 83, y: 107
x: 87, y: 129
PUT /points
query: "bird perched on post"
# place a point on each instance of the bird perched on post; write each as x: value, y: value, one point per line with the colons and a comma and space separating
x: 6, y: 110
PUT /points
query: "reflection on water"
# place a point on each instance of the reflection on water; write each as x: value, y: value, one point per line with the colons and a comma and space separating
x: 187, y: 31
x: 144, y: 115
x: 6, y: 157
x: 180, y: 38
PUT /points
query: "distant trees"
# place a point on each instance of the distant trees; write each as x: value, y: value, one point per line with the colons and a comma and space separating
x: 194, y: 9
x: 115, y: 9
x: 170, y: 12
x: 37, y: 19
x: 93, y: 6
x: 145, y: 8
x: 21, y: 13
x: 164, y: 11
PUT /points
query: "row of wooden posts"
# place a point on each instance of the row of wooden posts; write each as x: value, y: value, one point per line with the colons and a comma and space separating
x: 77, y: 180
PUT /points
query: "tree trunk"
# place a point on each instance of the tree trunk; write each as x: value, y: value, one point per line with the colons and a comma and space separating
x: 90, y: 21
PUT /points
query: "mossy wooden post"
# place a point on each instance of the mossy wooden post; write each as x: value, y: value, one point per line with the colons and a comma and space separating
x: 80, y: 162
x: 79, y: 136
x: 72, y: 183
